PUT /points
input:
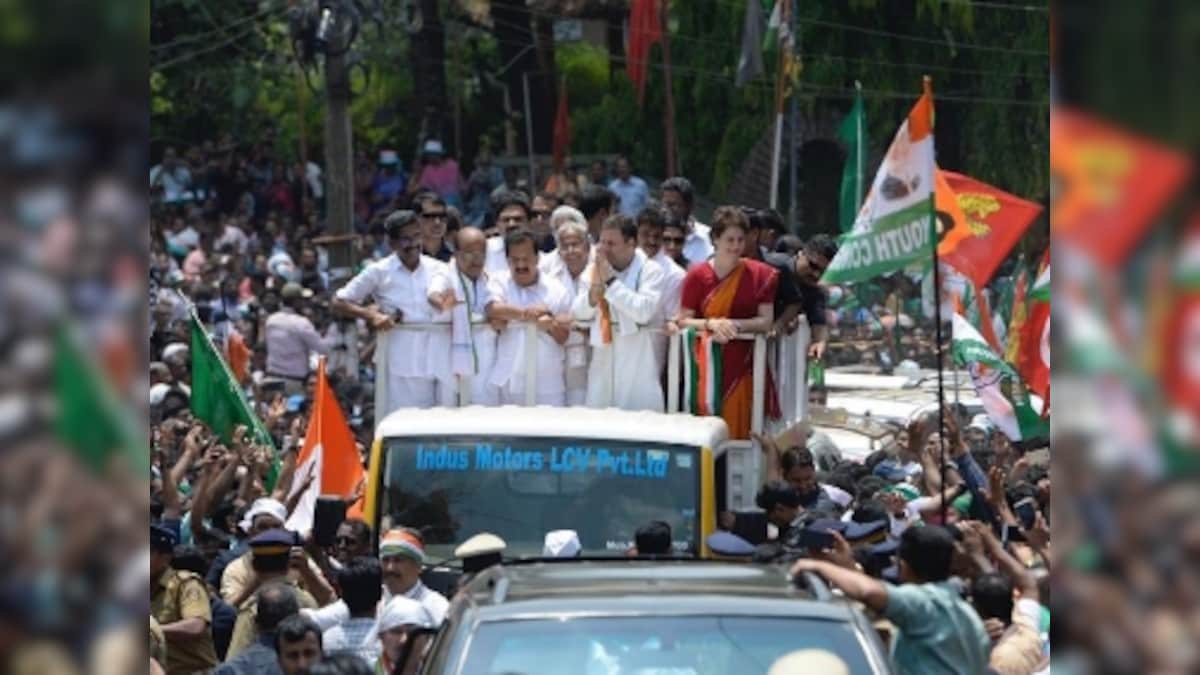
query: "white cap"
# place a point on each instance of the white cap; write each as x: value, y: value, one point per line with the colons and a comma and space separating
x: 562, y: 544
x: 173, y: 349
x: 158, y: 392
x: 403, y: 611
x: 433, y: 147
x: 264, y: 506
x: 981, y: 422
x: 388, y: 157
x: 804, y: 661
x: 481, y: 544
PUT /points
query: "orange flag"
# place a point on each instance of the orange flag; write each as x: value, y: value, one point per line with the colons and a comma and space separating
x: 987, y: 222
x: 329, y: 455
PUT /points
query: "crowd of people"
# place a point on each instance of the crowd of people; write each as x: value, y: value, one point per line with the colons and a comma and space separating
x: 450, y: 276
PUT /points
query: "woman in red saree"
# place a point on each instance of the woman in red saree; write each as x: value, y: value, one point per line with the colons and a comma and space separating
x: 725, y: 296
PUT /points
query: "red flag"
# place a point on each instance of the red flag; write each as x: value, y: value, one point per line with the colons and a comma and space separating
x: 992, y: 221
x: 645, y: 29
x: 1111, y: 185
x: 329, y: 454
x: 1180, y: 341
x: 562, y: 128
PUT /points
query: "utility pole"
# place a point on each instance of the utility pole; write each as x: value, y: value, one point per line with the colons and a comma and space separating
x: 793, y: 215
x: 339, y: 191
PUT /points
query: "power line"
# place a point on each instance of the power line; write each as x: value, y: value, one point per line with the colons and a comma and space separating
x: 998, y: 5
x: 205, y: 35
x: 921, y: 67
x: 853, y: 28
x: 825, y: 90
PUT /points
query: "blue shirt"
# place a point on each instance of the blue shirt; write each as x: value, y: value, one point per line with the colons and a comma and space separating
x: 938, y: 631
x: 633, y: 193
x: 259, y: 658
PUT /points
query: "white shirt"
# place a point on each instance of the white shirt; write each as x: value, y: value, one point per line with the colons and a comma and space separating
x: 672, y: 292
x: 232, y: 235
x: 395, y: 287
x: 497, y: 260
x: 509, y: 369
x: 698, y: 246
x: 477, y: 295
x: 435, y: 603
x: 175, y: 182
x: 624, y: 374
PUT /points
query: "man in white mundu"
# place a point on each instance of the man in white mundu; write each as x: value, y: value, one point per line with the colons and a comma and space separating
x: 399, y: 285
x: 622, y: 299
x: 525, y: 295
x: 461, y: 292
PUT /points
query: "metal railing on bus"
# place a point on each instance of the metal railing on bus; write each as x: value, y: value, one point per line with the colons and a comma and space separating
x: 787, y: 355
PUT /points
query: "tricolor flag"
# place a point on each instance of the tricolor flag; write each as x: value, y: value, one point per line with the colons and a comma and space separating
x: 894, y: 228
x: 997, y: 385
x: 701, y: 373
x: 329, y: 455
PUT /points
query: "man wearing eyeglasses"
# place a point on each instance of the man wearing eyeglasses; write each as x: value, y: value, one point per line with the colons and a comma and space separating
x: 434, y: 217
x: 800, y: 289
x: 679, y: 197
x: 461, y: 293
x: 399, y: 287
x: 510, y: 211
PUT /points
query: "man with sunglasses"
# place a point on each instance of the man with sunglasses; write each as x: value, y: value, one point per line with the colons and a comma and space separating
x: 800, y: 289
x: 399, y: 287
x: 434, y: 219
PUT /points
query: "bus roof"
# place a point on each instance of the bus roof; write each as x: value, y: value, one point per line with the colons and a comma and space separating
x: 575, y: 422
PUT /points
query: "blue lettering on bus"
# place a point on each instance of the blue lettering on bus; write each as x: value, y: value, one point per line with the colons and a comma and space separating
x: 635, y: 463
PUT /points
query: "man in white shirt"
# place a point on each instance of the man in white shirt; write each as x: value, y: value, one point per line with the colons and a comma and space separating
x: 510, y: 209
x: 526, y: 295
x: 461, y: 291
x: 651, y: 222
x: 172, y: 176
x: 631, y: 190
x: 678, y: 196
x: 399, y: 285
x: 623, y: 298
x: 402, y: 552
x: 567, y: 264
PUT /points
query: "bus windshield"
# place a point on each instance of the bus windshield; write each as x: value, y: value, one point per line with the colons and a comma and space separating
x: 520, y: 488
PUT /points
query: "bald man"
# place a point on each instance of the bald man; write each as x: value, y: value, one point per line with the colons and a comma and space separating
x: 461, y: 294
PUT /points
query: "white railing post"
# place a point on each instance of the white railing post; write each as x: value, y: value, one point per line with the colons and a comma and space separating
x: 381, y: 376
x: 803, y: 338
x: 531, y: 351
x: 757, y: 412
x: 673, y: 357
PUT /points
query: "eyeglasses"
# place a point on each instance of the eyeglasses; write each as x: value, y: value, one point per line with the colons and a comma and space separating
x: 345, y: 541
x: 673, y: 240
x: 540, y: 213
x: 434, y: 216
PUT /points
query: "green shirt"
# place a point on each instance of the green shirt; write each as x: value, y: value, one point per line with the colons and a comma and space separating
x: 938, y: 632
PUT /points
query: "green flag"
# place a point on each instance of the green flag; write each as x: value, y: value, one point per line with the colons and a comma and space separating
x: 853, y: 134
x: 90, y: 420
x: 217, y: 398
x: 895, y: 227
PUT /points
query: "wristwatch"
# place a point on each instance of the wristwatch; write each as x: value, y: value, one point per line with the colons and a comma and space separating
x: 608, y: 281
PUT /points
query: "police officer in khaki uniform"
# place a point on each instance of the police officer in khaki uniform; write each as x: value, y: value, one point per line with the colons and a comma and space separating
x: 179, y: 602
x: 270, y: 555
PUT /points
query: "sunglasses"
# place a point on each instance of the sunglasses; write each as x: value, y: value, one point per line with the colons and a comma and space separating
x: 345, y: 541
x: 673, y: 240
x: 434, y: 216
x: 815, y: 266
x: 540, y: 213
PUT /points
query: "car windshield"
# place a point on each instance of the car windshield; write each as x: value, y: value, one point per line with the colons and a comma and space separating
x: 520, y: 488
x: 658, y: 645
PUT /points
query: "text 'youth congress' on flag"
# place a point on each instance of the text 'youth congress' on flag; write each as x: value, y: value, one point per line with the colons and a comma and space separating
x: 894, y: 228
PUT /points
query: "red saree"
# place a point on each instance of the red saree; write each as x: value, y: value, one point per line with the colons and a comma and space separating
x: 737, y: 296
